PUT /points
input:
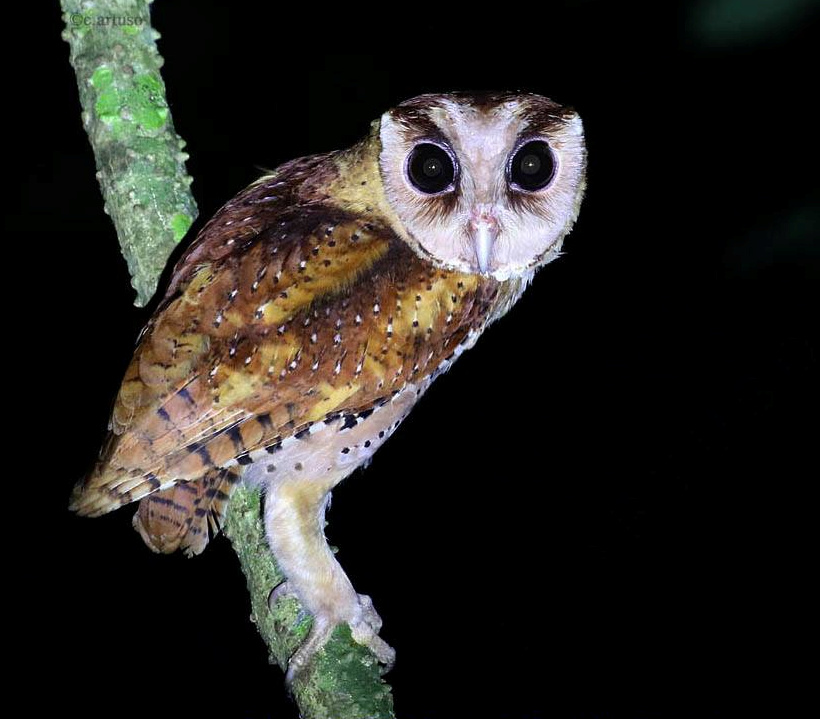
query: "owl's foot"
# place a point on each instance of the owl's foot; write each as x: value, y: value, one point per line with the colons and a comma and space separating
x: 364, y: 624
x: 294, y: 522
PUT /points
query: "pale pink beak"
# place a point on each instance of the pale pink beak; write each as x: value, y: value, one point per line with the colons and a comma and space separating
x: 483, y: 228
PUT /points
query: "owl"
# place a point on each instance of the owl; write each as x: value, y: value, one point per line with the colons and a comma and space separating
x: 312, y: 312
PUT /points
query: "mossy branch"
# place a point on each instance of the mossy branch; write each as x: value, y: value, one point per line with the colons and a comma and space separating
x: 140, y: 162
x: 141, y: 169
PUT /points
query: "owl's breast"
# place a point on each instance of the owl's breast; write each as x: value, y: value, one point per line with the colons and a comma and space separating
x: 328, y: 451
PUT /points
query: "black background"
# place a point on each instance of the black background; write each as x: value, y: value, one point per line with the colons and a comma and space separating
x: 602, y: 510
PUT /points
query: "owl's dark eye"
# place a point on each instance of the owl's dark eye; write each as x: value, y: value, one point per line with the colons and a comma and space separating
x: 430, y: 168
x: 532, y: 166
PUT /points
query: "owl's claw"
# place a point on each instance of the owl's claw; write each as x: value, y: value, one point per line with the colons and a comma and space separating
x: 285, y: 591
x: 280, y: 591
x: 364, y: 627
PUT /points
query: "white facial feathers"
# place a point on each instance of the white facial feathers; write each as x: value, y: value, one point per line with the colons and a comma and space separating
x: 485, y: 222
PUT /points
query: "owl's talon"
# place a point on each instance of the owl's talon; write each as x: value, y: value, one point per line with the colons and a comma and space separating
x: 364, y: 628
x: 280, y: 591
x: 285, y: 591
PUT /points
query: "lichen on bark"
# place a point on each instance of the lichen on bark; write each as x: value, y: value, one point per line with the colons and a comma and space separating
x: 139, y: 156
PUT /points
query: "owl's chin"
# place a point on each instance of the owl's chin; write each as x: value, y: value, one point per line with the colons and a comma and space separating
x: 460, y: 251
x: 470, y: 266
x: 504, y: 271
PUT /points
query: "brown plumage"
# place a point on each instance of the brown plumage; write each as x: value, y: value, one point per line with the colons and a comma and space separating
x: 218, y: 375
x: 307, y: 317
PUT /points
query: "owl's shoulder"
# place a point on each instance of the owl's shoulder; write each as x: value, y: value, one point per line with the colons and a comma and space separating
x: 282, y: 206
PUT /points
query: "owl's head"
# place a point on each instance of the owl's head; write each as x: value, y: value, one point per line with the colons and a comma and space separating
x: 485, y: 184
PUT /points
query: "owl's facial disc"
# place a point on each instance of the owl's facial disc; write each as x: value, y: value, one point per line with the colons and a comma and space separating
x: 483, y: 184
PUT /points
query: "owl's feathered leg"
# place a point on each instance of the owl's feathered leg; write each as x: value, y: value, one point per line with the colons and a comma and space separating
x: 294, y: 522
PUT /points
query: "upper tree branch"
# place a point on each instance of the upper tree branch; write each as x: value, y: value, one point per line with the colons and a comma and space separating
x: 140, y: 162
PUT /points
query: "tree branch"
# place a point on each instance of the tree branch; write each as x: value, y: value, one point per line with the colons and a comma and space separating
x: 141, y: 169
x: 140, y: 162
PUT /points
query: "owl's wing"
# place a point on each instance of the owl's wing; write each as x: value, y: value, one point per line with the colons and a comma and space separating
x: 284, y: 313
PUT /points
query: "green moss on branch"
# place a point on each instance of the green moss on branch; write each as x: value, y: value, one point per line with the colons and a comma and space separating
x: 140, y: 162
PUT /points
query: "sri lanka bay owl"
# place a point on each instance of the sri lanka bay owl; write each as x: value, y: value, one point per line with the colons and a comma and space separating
x: 315, y: 308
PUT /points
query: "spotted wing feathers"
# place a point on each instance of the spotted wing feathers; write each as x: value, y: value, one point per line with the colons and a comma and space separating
x: 211, y: 378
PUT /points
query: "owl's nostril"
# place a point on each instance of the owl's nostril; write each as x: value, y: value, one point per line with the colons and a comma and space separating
x: 482, y: 215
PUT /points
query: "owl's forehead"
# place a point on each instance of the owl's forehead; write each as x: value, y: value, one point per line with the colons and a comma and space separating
x: 479, y: 130
x: 478, y: 125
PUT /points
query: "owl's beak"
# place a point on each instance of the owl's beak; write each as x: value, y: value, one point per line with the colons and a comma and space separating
x: 483, y: 231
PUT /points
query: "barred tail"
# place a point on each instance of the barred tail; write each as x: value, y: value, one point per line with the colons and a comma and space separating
x: 188, y: 514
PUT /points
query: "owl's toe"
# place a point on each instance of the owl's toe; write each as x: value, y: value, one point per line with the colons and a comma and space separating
x: 280, y: 591
x: 365, y: 631
x: 364, y: 628
x: 285, y: 591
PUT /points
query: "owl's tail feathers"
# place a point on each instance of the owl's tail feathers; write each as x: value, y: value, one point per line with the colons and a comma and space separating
x: 186, y: 515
